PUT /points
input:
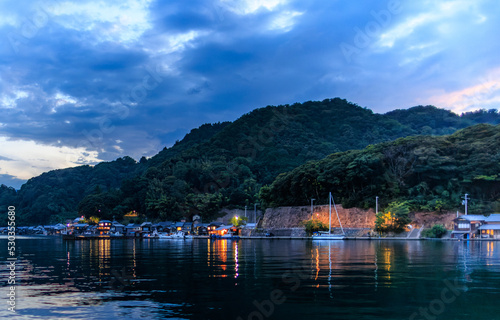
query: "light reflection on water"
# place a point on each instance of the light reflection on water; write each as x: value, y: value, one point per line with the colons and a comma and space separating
x: 224, y: 279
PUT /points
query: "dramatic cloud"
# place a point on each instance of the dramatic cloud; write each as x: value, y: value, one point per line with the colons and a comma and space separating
x: 86, y: 81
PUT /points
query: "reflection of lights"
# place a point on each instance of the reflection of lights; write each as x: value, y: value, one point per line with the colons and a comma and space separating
x: 317, y: 263
x: 223, y: 253
x: 236, y: 265
x: 490, y: 247
x: 135, y: 261
x: 209, y: 252
x: 387, y: 258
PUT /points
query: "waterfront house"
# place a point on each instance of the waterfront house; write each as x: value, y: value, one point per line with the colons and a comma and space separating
x: 223, y: 230
x: 103, y: 227
x: 133, y: 230
x: 146, y: 227
x: 467, y: 226
x: 200, y: 229
x: 187, y: 228
x: 59, y: 228
x: 179, y: 225
x: 163, y: 226
x: 212, y: 226
x: 80, y: 228
x: 491, y: 227
x: 117, y: 227
x: 91, y: 230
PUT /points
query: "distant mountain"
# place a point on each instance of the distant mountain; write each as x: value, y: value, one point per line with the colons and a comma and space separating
x: 224, y: 164
x: 429, y: 172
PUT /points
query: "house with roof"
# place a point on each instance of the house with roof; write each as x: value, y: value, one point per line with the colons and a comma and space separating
x: 103, y: 227
x: 59, y: 228
x: 200, y: 229
x: 212, y: 226
x: 467, y: 226
x: 491, y: 227
x: 146, y: 226
x: 133, y: 230
x: 117, y: 227
x: 165, y: 226
x: 187, y: 228
x: 80, y: 228
x: 224, y: 230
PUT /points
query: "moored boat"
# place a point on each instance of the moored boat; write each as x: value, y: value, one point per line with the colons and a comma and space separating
x: 329, y: 236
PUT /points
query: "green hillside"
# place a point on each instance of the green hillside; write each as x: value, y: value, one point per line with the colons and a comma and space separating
x: 430, y: 172
x: 224, y: 164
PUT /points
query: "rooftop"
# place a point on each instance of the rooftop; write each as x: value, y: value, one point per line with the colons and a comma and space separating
x: 494, y: 217
x: 472, y: 217
x: 489, y: 227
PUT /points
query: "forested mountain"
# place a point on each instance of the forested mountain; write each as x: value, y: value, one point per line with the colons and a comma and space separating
x: 429, y: 172
x: 224, y: 164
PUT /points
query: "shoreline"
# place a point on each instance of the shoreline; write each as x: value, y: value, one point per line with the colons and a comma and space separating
x: 252, y: 238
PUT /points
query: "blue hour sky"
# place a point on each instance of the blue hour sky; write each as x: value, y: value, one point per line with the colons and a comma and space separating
x: 87, y: 81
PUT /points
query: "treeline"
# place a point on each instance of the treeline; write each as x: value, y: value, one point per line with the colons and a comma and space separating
x: 429, y: 173
x: 227, y: 164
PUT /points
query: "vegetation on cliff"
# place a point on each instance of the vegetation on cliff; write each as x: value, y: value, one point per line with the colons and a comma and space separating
x: 427, y: 172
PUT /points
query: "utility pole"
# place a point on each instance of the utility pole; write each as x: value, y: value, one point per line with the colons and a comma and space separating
x: 255, y: 212
x: 312, y: 209
x: 465, y: 202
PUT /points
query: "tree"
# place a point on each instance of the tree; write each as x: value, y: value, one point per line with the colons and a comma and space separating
x: 314, y: 225
x: 437, y: 231
x: 239, y: 221
x: 393, y: 219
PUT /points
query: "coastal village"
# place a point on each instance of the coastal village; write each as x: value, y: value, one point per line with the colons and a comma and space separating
x: 277, y: 223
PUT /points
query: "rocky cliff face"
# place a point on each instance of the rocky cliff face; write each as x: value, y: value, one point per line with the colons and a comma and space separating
x: 292, y: 217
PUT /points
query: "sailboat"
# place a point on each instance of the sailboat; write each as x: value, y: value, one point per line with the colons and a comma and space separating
x: 329, y: 236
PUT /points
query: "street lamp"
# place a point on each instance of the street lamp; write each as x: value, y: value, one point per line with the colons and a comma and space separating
x: 376, y: 205
x: 312, y: 208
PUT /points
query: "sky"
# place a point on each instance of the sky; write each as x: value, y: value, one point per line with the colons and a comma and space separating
x: 89, y: 81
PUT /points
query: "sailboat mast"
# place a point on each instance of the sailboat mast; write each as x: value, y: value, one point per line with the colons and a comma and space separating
x: 330, y: 213
x: 336, y: 213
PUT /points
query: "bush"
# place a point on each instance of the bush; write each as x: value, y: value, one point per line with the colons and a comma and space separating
x: 314, y: 226
x: 239, y: 221
x: 394, y: 218
x: 437, y: 231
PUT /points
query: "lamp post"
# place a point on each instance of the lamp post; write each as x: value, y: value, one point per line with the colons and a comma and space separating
x: 376, y: 205
x: 312, y: 208
x: 245, y: 211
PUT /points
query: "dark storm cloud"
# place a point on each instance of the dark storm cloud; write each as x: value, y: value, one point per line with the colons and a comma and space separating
x: 80, y: 81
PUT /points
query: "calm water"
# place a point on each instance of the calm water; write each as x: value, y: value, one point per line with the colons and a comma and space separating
x: 254, y: 279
